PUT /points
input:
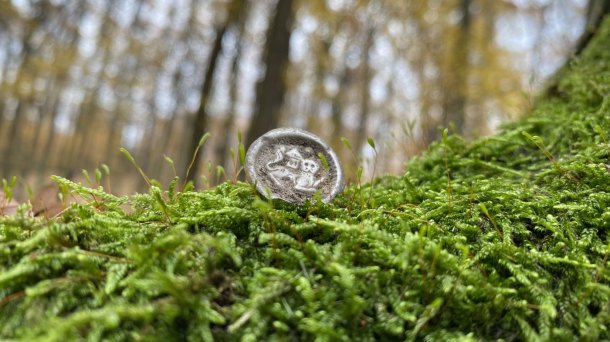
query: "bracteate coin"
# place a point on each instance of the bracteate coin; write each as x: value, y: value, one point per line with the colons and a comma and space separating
x: 292, y: 164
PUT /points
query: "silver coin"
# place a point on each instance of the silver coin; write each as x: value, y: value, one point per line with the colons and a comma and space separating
x: 292, y: 164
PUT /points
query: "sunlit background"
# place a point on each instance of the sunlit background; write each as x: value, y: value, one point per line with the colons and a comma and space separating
x: 80, y: 79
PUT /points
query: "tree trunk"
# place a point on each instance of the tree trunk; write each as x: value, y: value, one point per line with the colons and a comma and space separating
x: 454, y: 93
x: 364, y: 96
x: 201, y: 117
x: 337, y: 109
x: 234, y: 9
x: 270, y: 91
x: 596, y: 11
x: 14, y: 129
x: 223, y: 147
x: 222, y: 151
x: 48, y: 145
x: 169, y: 126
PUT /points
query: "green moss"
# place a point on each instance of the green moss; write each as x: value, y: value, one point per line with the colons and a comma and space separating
x: 503, y: 238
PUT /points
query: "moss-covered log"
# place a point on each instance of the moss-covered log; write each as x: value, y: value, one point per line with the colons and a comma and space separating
x: 504, y: 238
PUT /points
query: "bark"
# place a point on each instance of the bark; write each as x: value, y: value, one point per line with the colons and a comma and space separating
x: 596, y: 11
x: 148, y: 146
x: 222, y: 155
x: 271, y: 90
x: 14, y: 129
x: 337, y: 103
x: 48, y: 146
x: 169, y: 126
x: 54, y: 86
x: 43, y: 112
x: 201, y: 117
x: 88, y: 108
x: 337, y: 109
x: 454, y: 99
x: 361, y: 133
x: 129, y: 72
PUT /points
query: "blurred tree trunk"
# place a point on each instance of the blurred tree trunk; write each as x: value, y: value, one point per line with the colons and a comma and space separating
x: 86, y: 120
x: 149, y: 144
x: 14, y: 160
x: 14, y: 129
x: 49, y: 110
x: 170, y: 125
x: 478, y: 123
x: 201, y: 118
x: 337, y: 109
x: 239, y: 20
x: 43, y: 112
x: 270, y: 91
x: 67, y: 54
x: 127, y: 76
x: 169, y: 144
x: 456, y: 83
x: 50, y: 138
x: 364, y: 95
x: 222, y: 155
x: 451, y: 82
x: 596, y: 11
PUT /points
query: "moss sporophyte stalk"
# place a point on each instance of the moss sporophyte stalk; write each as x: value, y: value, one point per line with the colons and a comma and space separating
x: 504, y: 238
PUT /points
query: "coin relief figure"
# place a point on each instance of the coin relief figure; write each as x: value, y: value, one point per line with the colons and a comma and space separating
x: 290, y: 168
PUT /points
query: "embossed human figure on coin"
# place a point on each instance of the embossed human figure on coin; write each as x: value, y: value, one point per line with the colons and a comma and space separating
x: 306, y: 181
x: 288, y: 172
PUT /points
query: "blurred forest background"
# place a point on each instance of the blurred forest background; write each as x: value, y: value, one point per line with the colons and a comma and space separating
x: 80, y: 79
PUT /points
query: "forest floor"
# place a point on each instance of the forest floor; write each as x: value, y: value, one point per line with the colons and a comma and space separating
x: 506, y: 237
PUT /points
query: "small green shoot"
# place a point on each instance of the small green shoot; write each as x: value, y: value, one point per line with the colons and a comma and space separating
x: 98, y: 176
x: 220, y: 172
x: 133, y: 161
x: 371, y: 143
x: 359, y: 168
x: 106, y: 171
x: 7, y: 188
x: 326, y: 169
x: 493, y: 222
x: 171, y: 164
x: 242, y: 156
x: 202, y: 141
x: 86, y: 175
x: 445, y: 141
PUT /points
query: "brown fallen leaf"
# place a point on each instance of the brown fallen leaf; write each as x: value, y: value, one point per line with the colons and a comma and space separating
x: 7, y: 207
x: 48, y: 204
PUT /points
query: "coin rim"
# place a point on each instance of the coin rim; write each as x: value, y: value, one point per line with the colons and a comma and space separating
x: 281, y: 132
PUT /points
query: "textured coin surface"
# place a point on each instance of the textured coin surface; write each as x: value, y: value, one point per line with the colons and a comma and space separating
x: 292, y: 164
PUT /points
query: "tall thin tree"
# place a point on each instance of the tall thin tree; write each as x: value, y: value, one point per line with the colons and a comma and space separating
x: 364, y: 95
x: 200, y: 123
x: 455, y: 90
x: 270, y: 91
